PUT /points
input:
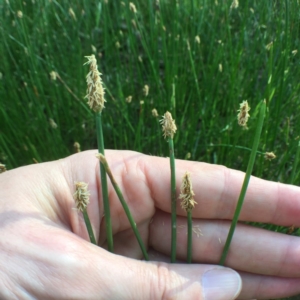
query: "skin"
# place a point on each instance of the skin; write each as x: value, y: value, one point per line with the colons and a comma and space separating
x: 45, y: 251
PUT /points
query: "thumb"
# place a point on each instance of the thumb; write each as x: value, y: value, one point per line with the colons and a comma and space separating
x: 133, y: 279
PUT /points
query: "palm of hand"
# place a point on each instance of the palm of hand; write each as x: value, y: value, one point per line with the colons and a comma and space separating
x: 43, y: 236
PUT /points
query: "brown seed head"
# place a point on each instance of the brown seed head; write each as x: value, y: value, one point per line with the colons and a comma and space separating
x: 168, y: 125
x: 2, y: 168
x: 81, y: 196
x: 95, y: 90
x: 269, y: 156
x: 243, y: 114
x: 76, y: 147
x: 187, y: 193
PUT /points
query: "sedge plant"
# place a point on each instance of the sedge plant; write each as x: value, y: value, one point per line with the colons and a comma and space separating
x: 169, y: 128
x: 95, y: 96
x: 103, y: 161
x: 187, y: 204
x: 82, y: 199
x: 242, y: 120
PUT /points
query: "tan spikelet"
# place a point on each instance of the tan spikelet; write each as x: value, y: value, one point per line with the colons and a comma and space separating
x: 269, y: 156
x: 243, y: 113
x: 2, y: 168
x: 168, y: 125
x: 95, y: 90
x: 186, y: 193
x: 81, y: 196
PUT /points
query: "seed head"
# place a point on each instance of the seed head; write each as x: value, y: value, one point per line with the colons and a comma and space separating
x: 220, y: 68
x: 132, y: 7
x: 81, y: 196
x: 234, y: 4
x: 146, y: 90
x: 76, y: 147
x: 243, y: 115
x: 53, y: 75
x: 128, y: 99
x: 2, y: 168
x: 154, y: 113
x: 187, y: 193
x: 168, y: 125
x: 52, y: 123
x: 269, y: 46
x: 188, y: 45
x: 197, y: 39
x: 72, y: 14
x: 94, y: 49
x: 269, y: 156
x: 294, y: 52
x: 95, y: 90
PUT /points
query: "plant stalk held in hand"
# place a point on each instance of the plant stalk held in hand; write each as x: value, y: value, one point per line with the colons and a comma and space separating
x: 95, y: 96
x: 169, y: 128
x: 246, y: 178
x: 103, y: 161
x: 187, y: 204
x: 82, y: 199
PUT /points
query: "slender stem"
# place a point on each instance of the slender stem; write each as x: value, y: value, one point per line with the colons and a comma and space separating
x: 292, y: 180
x: 234, y: 146
x: 246, y: 181
x: 173, y: 201
x: 125, y: 206
x: 108, y: 225
x: 190, y: 237
x: 89, y: 227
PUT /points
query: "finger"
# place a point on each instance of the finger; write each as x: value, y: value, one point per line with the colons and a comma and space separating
x: 216, y: 187
x: 253, y: 250
x: 268, y: 287
x: 47, y: 189
x: 254, y: 286
x: 63, y: 266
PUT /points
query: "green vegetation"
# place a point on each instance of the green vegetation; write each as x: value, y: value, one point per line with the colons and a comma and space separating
x: 200, y: 59
x: 245, y: 182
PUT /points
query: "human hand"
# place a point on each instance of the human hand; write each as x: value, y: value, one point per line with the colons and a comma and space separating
x: 45, y: 253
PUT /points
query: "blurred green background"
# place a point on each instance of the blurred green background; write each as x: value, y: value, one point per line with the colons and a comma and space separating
x: 200, y: 59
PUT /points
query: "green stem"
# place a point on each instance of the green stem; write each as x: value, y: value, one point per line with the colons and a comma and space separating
x: 246, y: 182
x: 292, y: 181
x: 124, y: 204
x: 89, y: 227
x: 104, y: 185
x: 234, y: 146
x: 190, y: 237
x: 173, y: 201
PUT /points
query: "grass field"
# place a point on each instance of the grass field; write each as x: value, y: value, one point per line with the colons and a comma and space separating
x: 200, y: 59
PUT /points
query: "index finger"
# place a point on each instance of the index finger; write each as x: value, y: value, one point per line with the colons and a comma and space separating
x: 217, y: 190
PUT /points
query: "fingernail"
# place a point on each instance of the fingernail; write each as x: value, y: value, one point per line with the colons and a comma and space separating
x: 221, y: 284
